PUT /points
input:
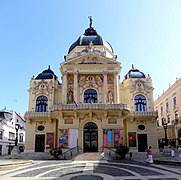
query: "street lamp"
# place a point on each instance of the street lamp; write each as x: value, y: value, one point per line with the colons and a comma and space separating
x: 17, y: 128
x: 165, y: 126
x: 15, y: 151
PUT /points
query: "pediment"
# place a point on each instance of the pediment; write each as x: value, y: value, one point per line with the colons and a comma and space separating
x: 91, y: 58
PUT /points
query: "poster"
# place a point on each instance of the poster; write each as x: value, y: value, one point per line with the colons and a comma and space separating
x: 105, y: 136
x: 109, y: 133
x: 118, y: 137
x: 50, y: 140
x: 73, y: 139
x: 132, y: 139
x: 63, y: 138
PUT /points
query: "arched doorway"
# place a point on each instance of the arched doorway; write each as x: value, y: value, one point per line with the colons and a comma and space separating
x: 90, y: 137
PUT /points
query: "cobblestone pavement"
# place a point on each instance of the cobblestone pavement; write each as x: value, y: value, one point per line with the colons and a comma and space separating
x: 91, y: 170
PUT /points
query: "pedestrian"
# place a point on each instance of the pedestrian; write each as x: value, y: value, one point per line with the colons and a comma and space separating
x: 179, y: 151
x: 149, y: 155
x: 173, y: 152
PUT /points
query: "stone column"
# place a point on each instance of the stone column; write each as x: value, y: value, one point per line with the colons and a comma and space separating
x: 64, y: 88
x: 75, y: 86
x: 105, y: 88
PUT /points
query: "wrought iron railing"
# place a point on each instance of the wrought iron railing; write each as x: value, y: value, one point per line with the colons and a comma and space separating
x: 69, y: 154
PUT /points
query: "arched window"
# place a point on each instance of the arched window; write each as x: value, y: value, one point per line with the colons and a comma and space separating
x: 90, y: 96
x: 140, y: 103
x: 42, y: 104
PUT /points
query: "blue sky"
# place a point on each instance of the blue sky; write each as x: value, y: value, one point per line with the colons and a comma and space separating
x: 38, y: 33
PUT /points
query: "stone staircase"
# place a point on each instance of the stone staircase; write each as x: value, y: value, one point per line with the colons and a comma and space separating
x: 91, y: 156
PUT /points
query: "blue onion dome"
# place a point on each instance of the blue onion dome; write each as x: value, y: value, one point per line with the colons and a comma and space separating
x: 47, y: 74
x: 90, y: 35
x: 134, y: 73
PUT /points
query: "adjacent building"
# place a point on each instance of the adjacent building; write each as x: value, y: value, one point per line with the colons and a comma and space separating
x: 8, y: 133
x: 90, y: 108
x: 168, y: 106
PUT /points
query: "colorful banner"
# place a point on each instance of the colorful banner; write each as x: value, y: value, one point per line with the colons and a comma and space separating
x: 105, y: 136
x: 63, y: 138
x: 118, y: 137
x: 132, y: 139
x: 111, y: 136
x: 109, y: 133
x: 50, y: 141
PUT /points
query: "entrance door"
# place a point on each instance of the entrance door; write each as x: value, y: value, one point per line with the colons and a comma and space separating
x: 142, y: 142
x: 40, y: 143
x: 90, y: 137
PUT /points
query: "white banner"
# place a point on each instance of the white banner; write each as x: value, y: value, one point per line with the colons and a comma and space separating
x: 73, y: 139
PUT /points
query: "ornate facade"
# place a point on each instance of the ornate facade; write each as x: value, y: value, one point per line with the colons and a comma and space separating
x: 91, y: 108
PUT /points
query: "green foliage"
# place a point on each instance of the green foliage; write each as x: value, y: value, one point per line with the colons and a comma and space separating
x: 122, y: 150
x: 55, y: 152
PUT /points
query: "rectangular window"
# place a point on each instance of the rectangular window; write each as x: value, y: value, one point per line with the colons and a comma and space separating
x: 176, y: 115
x: 168, y: 118
x: 174, y: 101
x: 161, y: 110
x: 1, y: 134
x: 11, y: 136
x: 21, y: 137
x: 167, y: 106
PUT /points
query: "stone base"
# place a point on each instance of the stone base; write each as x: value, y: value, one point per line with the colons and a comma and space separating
x: 15, y: 152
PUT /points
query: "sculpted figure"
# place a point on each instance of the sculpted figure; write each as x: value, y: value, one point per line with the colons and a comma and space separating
x: 110, y: 97
x: 70, y: 97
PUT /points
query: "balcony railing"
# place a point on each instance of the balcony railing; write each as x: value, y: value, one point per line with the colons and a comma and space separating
x: 177, y: 120
x: 145, y: 114
x: 38, y: 114
x: 71, y: 107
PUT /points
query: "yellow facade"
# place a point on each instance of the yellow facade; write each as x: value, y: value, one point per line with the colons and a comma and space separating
x: 91, y: 108
x: 168, y: 106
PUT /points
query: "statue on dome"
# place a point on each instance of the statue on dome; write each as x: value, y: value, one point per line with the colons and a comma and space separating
x: 90, y: 18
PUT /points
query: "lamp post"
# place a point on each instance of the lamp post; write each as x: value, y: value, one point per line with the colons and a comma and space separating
x: 165, y: 126
x: 16, y: 139
x: 15, y: 150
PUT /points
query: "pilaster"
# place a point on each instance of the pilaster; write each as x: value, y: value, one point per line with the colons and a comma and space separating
x: 105, y: 88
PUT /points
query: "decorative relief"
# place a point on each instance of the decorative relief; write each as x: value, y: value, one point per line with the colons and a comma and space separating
x: 110, y: 80
x: 90, y: 81
x: 140, y: 86
x: 68, y: 120
x: 112, y: 120
x: 90, y: 49
x: 70, y: 81
x: 42, y: 87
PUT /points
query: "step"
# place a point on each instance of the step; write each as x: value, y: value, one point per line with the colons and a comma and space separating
x: 90, y: 156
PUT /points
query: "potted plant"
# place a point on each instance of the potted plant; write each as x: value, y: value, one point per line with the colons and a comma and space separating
x: 55, y: 152
x: 122, y: 150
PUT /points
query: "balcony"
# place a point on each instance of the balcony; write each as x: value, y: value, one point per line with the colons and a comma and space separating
x: 177, y: 120
x: 33, y: 115
x: 145, y: 114
x: 72, y: 107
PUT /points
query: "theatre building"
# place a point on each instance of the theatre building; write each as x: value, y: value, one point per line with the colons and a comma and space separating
x: 91, y: 107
